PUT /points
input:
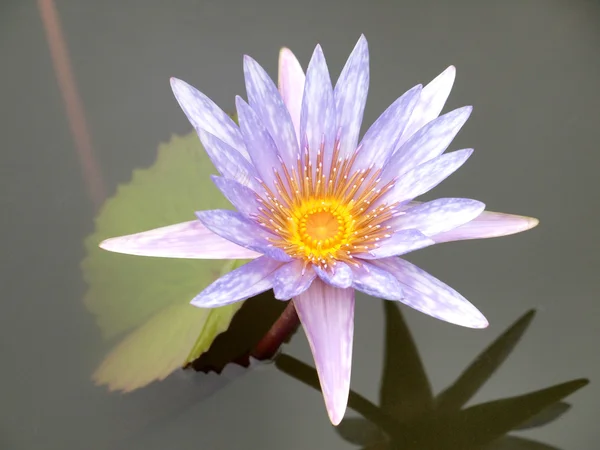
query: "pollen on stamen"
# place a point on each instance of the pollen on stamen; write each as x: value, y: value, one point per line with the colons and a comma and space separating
x: 319, y: 216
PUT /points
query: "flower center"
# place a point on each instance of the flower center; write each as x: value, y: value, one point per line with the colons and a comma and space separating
x: 321, y: 227
x: 322, y: 216
x: 318, y: 229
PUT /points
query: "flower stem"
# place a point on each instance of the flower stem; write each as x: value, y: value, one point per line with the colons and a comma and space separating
x: 281, y: 330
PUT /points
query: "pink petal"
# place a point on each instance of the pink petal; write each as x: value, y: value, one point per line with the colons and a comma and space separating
x: 291, y: 85
x: 183, y: 240
x: 327, y: 315
x: 488, y: 224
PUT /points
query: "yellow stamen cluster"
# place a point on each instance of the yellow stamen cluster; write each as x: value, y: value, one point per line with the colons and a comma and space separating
x: 326, y: 214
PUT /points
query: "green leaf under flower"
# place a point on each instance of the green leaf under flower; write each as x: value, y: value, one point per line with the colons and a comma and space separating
x: 149, y: 297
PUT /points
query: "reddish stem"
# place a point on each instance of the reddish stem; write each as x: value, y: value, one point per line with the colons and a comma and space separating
x: 281, y: 330
x: 72, y: 101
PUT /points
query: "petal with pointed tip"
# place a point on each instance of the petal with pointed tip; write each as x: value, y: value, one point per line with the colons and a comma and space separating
x: 400, y: 243
x: 432, y: 101
x: 426, y: 176
x: 292, y: 279
x: 182, y: 240
x: 291, y: 85
x: 228, y: 161
x: 244, y: 282
x: 339, y: 275
x: 440, y: 215
x: 377, y: 282
x: 244, y: 199
x: 350, y: 95
x: 261, y: 147
x: 380, y: 139
x: 265, y: 100
x: 429, y: 295
x: 430, y: 141
x: 488, y: 224
x: 317, y: 117
x: 327, y: 316
x: 234, y: 227
x: 204, y: 114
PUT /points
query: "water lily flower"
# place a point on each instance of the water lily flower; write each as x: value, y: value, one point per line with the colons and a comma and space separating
x: 322, y: 215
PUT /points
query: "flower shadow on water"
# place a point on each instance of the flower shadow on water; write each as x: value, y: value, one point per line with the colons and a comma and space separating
x: 409, y: 416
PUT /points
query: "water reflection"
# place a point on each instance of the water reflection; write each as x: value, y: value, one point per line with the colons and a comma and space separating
x: 410, y: 416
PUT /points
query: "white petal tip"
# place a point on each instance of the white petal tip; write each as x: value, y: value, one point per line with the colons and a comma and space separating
x: 176, y: 83
x: 480, y: 323
x: 336, y: 412
x: 112, y: 245
x: 196, y: 304
x: 127, y: 245
x: 475, y: 321
x: 449, y: 74
x: 532, y: 222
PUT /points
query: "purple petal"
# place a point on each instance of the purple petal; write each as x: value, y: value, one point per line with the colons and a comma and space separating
x: 260, y: 145
x: 228, y: 161
x: 350, y: 96
x: 327, y: 316
x: 265, y: 100
x: 430, y: 141
x: 244, y: 282
x: 429, y: 295
x: 291, y: 85
x: 242, y: 198
x: 426, y: 176
x: 380, y: 139
x: 432, y: 101
x: 377, y: 282
x: 440, y: 215
x: 234, y: 227
x: 339, y: 275
x: 183, y: 240
x: 400, y: 243
x: 292, y: 279
x: 318, y: 117
x: 204, y: 114
x: 488, y: 224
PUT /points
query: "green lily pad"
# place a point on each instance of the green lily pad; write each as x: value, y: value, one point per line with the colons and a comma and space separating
x: 149, y: 297
x: 161, y: 345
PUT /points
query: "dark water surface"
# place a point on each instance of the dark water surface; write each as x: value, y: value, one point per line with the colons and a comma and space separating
x: 531, y: 70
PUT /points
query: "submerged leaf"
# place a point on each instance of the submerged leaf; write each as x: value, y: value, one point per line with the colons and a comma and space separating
x: 483, y: 367
x: 517, y: 443
x: 360, y: 431
x: 486, y: 422
x: 150, y: 296
x: 405, y: 392
x: 308, y: 375
x: 544, y: 417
